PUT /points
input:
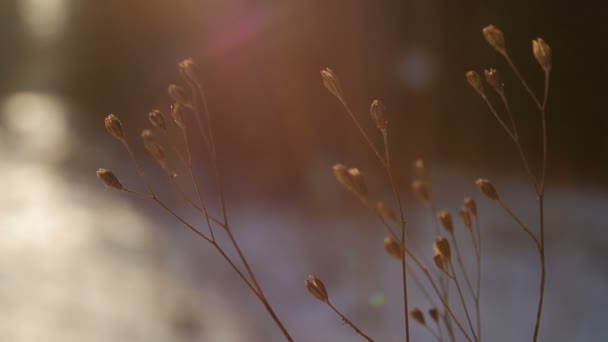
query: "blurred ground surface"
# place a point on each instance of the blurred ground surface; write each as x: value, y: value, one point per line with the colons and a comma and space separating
x: 80, y: 263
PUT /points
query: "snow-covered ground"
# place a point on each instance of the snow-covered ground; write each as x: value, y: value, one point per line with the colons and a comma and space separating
x: 81, y: 263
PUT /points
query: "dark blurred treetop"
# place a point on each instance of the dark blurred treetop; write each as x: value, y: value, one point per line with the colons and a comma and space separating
x: 260, y: 62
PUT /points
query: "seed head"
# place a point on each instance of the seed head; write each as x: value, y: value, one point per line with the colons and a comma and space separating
x: 421, y: 191
x: 114, y: 126
x: 441, y: 246
x: 422, y: 171
x: 177, y: 112
x: 393, y: 247
x: 438, y: 259
x: 378, y: 114
x: 495, y: 38
x: 465, y: 217
x: 446, y: 220
x: 359, y: 185
x: 434, y: 313
x: 152, y: 146
x: 417, y: 316
x: 177, y: 94
x: 157, y: 119
x: 386, y: 212
x: 316, y: 288
x: 352, y: 180
x: 475, y: 81
x: 188, y: 70
x: 487, y: 189
x: 331, y: 82
x: 109, y: 179
x: 542, y: 53
x: 493, y: 79
x: 471, y: 206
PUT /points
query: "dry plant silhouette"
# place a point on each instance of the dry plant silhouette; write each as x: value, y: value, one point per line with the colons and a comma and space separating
x: 450, y: 319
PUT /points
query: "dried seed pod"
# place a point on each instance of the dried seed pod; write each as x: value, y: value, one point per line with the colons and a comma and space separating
x: 152, y: 146
x: 157, y: 119
x: 487, y: 188
x: 439, y: 260
x: 475, y: 81
x: 177, y: 94
x: 542, y: 53
x: 471, y: 206
x: 331, y: 82
x: 421, y: 191
x: 465, y: 217
x: 342, y: 175
x: 493, y: 79
x: 441, y: 246
x: 422, y: 171
x: 316, y: 288
x: 378, y: 114
x: 446, y: 220
x: 114, y: 126
x: 359, y: 185
x: 417, y: 316
x: 352, y: 180
x: 177, y: 112
x: 386, y: 212
x: 393, y: 247
x: 188, y: 70
x: 109, y: 179
x: 495, y: 38
x: 434, y: 313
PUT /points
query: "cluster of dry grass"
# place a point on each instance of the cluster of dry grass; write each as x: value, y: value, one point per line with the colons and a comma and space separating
x: 450, y: 319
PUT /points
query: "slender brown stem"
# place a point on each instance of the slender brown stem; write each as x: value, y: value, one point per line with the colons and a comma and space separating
x: 443, y: 281
x: 478, y: 296
x: 514, y: 136
x: 461, y: 264
x: 521, y: 224
x: 214, y: 164
x: 462, y: 300
x: 386, y: 164
x: 427, y: 274
x: 362, y: 131
x: 196, y: 182
x: 503, y: 97
x: 433, y: 333
x: 523, y: 81
x: 389, y: 173
x: 140, y: 169
x: 348, y: 322
x: 541, y: 204
x: 438, y: 324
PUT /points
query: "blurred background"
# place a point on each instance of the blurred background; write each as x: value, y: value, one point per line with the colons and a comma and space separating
x: 79, y: 262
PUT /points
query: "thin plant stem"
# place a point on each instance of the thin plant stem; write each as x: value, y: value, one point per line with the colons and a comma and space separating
x: 427, y: 274
x: 515, y: 137
x: 443, y: 281
x: 523, y: 81
x: 438, y: 324
x: 362, y: 131
x: 348, y: 322
x: 541, y: 205
x: 196, y: 181
x: 389, y: 173
x: 478, y: 296
x: 226, y: 226
x: 461, y: 264
x: 386, y: 164
x: 462, y: 300
x: 432, y: 332
x: 521, y: 224
x: 505, y: 101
